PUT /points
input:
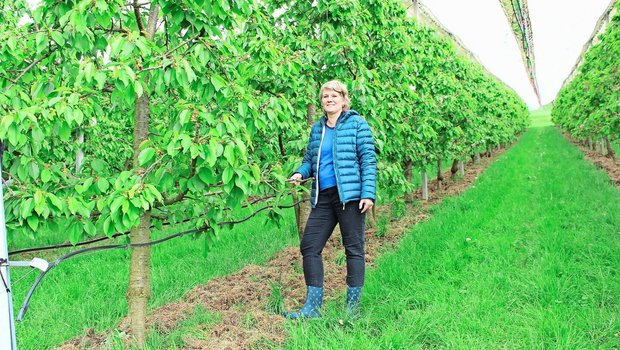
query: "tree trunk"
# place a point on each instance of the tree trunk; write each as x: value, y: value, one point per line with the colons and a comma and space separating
x: 461, y: 168
x: 454, y: 169
x: 439, y: 171
x: 371, y: 217
x: 610, y: 149
x: 139, y: 290
x: 79, y: 154
x: 409, y: 197
x: 424, y: 185
x: 302, y: 210
x: 476, y: 158
x: 603, y: 145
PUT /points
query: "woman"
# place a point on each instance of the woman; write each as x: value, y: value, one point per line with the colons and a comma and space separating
x: 341, y: 158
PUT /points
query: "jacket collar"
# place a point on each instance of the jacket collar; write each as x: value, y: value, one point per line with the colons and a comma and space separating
x: 343, y: 117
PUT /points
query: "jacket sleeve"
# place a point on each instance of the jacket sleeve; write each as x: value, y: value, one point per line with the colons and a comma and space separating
x: 368, y: 160
x: 306, y: 164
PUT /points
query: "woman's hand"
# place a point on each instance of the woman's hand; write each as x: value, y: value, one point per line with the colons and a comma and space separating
x: 365, y: 204
x: 295, y: 179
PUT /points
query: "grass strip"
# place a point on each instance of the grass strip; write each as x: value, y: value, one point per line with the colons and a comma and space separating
x: 526, y: 259
x: 87, y: 293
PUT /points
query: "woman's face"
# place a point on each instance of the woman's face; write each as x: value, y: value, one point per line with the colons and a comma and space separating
x: 332, y: 101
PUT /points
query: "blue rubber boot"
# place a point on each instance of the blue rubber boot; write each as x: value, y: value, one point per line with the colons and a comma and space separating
x: 354, y: 294
x: 312, y: 307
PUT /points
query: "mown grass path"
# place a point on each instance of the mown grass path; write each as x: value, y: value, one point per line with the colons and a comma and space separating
x: 529, y: 258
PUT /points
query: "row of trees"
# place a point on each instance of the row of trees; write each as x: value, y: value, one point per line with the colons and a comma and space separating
x: 587, y: 107
x: 124, y: 116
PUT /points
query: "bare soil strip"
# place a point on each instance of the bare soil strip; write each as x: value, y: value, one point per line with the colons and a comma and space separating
x: 241, y: 298
x: 610, y: 165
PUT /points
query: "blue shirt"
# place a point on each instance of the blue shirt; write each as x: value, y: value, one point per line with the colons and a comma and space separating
x: 327, y: 175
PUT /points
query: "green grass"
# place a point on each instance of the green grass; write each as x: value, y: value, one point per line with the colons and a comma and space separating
x: 529, y: 258
x: 89, y: 291
x: 541, y: 117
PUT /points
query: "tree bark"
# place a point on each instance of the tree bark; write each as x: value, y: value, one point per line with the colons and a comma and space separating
x: 610, y: 149
x: 461, y: 168
x: 424, y: 185
x: 439, y: 170
x: 454, y: 169
x: 603, y: 145
x: 476, y: 158
x: 139, y: 290
x: 409, y: 197
x: 302, y: 210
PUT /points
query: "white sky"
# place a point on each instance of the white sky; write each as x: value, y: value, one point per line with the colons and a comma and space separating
x: 560, y: 28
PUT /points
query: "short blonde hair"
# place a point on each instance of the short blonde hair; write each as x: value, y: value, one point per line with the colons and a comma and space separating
x: 339, y: 87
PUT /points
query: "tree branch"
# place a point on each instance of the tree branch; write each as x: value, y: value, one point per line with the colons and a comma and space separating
x: 152, y: 24
x: 28, y: 68
x: 136, y: 12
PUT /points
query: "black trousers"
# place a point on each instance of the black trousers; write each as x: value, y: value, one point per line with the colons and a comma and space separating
x: 321, y: 223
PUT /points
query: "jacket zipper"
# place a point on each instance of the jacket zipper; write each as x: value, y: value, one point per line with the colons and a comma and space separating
x: 335, y: 162
x: 318, y: 163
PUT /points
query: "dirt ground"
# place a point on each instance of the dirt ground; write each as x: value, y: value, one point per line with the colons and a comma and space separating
x: 242, y: 299
x: 610, y: 165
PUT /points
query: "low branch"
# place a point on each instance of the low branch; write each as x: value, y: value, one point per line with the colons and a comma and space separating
x: 136, y: 12
x: 28, y: 69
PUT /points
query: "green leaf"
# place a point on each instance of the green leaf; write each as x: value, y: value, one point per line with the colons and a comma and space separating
x: 98, y: 166
x: 33, y: 222
x: 146, y: 156
x: 206, y: 175
x: 116, y: 204
x: 39, y: 202
x: 227, y: 175
x: 108, y: 228
x: 64, y: 131
x: 89, y: 228
x: 211, y: 156
x: 34, y: 170
x: 75, y: 232
x: 55, y: 201
x: 218, y: 82
x: 137, y: 85
x: 27, y: 207
x: 103, y: 184
x: 191, y: 76
x: 46, y: 175
x: 58, y: 38
x: 74, y: 205
x: 184, y: 117
x: 229, y: 153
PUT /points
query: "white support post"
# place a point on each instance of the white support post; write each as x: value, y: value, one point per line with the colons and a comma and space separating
x: 7, y: 323
x: 79, y: 154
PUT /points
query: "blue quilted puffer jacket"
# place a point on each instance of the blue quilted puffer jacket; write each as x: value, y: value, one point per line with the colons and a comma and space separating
x: 355, y: 162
